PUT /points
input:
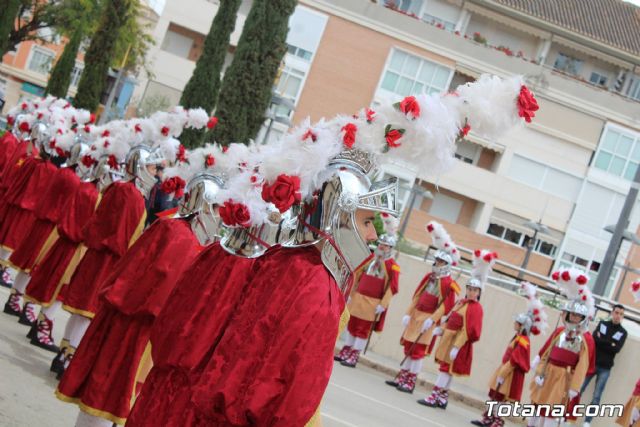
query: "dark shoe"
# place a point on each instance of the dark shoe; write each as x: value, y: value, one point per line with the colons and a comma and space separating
x: 13, y: 306
x: 28, y: 316
x: 43, y: 337
x: 57, y: 364
x: 33, y: 331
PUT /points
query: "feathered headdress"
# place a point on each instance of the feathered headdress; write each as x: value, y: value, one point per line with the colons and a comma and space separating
x: 481, y: 266
x: 635, y: 290
x: 445, y: 247
x: 535, y: 309
x: 574, y: 284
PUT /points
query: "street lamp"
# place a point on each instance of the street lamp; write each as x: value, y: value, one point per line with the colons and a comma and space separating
x: 274, y: 117
x: 626, y: 234
x: 415, y: 192
x: 537, y: 227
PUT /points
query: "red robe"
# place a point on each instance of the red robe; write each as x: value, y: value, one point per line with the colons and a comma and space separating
x: 274, y: 359
x: 46, y: 278
x: 8, y: 143
x: 473, y: 328
x: 518, y: 354
x: 47, y: 210
x: 185, y: 332
x: 25, y: 189
x: 591, y: 346
x: 114, y: 227
x: 102, y: 375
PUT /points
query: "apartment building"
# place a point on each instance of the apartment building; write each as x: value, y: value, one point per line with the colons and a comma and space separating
x: 569, y: 171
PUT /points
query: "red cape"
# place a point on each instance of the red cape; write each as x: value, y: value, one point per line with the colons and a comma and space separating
x: 135, y: 291
x: 274, y: 360
x: 473, y: 324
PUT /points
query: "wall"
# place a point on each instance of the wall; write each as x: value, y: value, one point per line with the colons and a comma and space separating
x: 499, y: 308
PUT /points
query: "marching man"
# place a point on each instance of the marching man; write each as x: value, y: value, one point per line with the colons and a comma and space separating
x: 433, y: 299
x: 507, y: 382
x: 460, y: 331
x: 374, y: 286
x: 631, y: 414
x: 565, y: 356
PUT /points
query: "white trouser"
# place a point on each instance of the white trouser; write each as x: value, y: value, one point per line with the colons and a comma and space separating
x: 416, y: 366
x: 51, y: 311
x: 349, y: 340
x: 21, y: 282
x: 443, y: 381
x: 75, y: 329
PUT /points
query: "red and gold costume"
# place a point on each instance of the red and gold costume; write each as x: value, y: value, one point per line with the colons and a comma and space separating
x: 132, y: 296
x: 433, y: 298
x: 272, y: 358
x: 462, y: 330
x: 563, y: 365
x: 115, y: 226
x: 627, y: 418
x: 48, y: 210
x: 369, y: 292
x: 515, y: 365
x: 59, y: 263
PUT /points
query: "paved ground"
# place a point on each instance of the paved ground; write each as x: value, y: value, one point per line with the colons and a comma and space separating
x: 355, y: 397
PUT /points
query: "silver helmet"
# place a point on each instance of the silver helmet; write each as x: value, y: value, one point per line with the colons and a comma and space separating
x: 19, y: 133
x: 445, y: 270
x: 199, y: 207
x: 575, y: 307
x: 136, y: 162
x: 40, y: 137
x: 330, y: 215
x: 253, y: 241
x: 104, y: 173
x: 388, y: 239
x: 526, y: 322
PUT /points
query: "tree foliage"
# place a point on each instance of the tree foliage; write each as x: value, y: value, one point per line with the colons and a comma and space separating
x: 245, y: 94
x: 204, y: 85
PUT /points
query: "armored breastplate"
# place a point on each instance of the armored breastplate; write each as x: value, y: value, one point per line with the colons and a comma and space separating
x: 433, y: 287
x: 570, y: 342
x: 376, y: 268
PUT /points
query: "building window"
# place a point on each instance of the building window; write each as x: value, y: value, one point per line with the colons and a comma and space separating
x: 446, y: 207
x: 178, y: 44
x: 618, y: 153
x: 299, y: 52
x: 289, y: 86
x: 519, y: 238
x: 544, y: 178
x: 430, y: 19
x: 41, y: 60
x: 407, y: 74
x: 598, y: 79
x: 407, y: 6
x: 76, y: 73
x: 567, y: 64
x: 468, y: 152
x: 634, y: 88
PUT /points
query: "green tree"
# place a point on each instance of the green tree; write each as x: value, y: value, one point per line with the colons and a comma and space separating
x: 245, y: 94
x: 60, y: 78
x: 115, y: 16
x: 203, y: 86
x: 8, y: 17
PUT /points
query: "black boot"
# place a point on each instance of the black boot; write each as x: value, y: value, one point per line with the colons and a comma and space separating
x: 13, y: 305
x: 28, y: 316
x: 43, y: 337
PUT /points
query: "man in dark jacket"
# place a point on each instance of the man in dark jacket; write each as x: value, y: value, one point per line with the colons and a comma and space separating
x: 159, y: 201
x: 609, y: 337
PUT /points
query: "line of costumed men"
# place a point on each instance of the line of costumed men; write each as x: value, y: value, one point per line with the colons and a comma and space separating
x: 225, y: 312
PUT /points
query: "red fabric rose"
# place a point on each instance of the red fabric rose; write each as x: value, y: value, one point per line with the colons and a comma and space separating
x: 52, y: 143
x: 113, y: 162
x: 349, y: 137
x: 164, y: 131
x: 106, y: 134
x: 477, y: 253
x: 60, y: 152
x: 430, y: 228
x: 11, y: 120
x: 209, y: 160
x: 24, y: 127
x: 527, y: 104
x: 137, y: 128
x: 410, y: 107
x: 87, y: 129
x: 309, y: 134
x: 582, y: 279
x: 487, y: 258
x: 535, y: 330
x: 283, y: 193
x: 233, y: 213
x: 392, y: 136
x: 106, y: 143
x: 371, y: 115
x: 536, y: 311
x: 174, y: 185
x: 213, y: 121
x: 635, y: 286
x: 566, y: 276
x: 92, y: 118
x: 556, y: 275
x: 225, y: 148
x: 182, y: 154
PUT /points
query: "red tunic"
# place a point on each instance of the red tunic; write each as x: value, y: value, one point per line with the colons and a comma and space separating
x: 29, y: 186
x: 46, y: 277
x: 113, y: 228
x: 186, y: 331
x: 274, y: 359
x: 47, y: 211
x: 518, y: 355
x: 132, y: 296
x: 591, y: 346
x: 8, y: 143
x: 473, y: 328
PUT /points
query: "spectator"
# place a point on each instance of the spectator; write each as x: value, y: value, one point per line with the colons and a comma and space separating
x: 609, y: 337
x: 159, y: 201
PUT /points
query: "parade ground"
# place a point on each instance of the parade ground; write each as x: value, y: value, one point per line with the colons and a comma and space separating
x: 355, y: 397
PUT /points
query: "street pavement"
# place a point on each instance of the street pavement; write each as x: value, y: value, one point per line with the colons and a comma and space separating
x: 355, y: 397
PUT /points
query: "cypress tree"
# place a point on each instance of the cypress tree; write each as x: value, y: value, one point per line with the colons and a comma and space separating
x: 245, y: 94
x: 60, y: 78
x: 8, y: 17
x: 203, y: 86
x: 100, y: 52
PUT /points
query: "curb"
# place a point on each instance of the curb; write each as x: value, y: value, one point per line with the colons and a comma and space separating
x: 428, y: 385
